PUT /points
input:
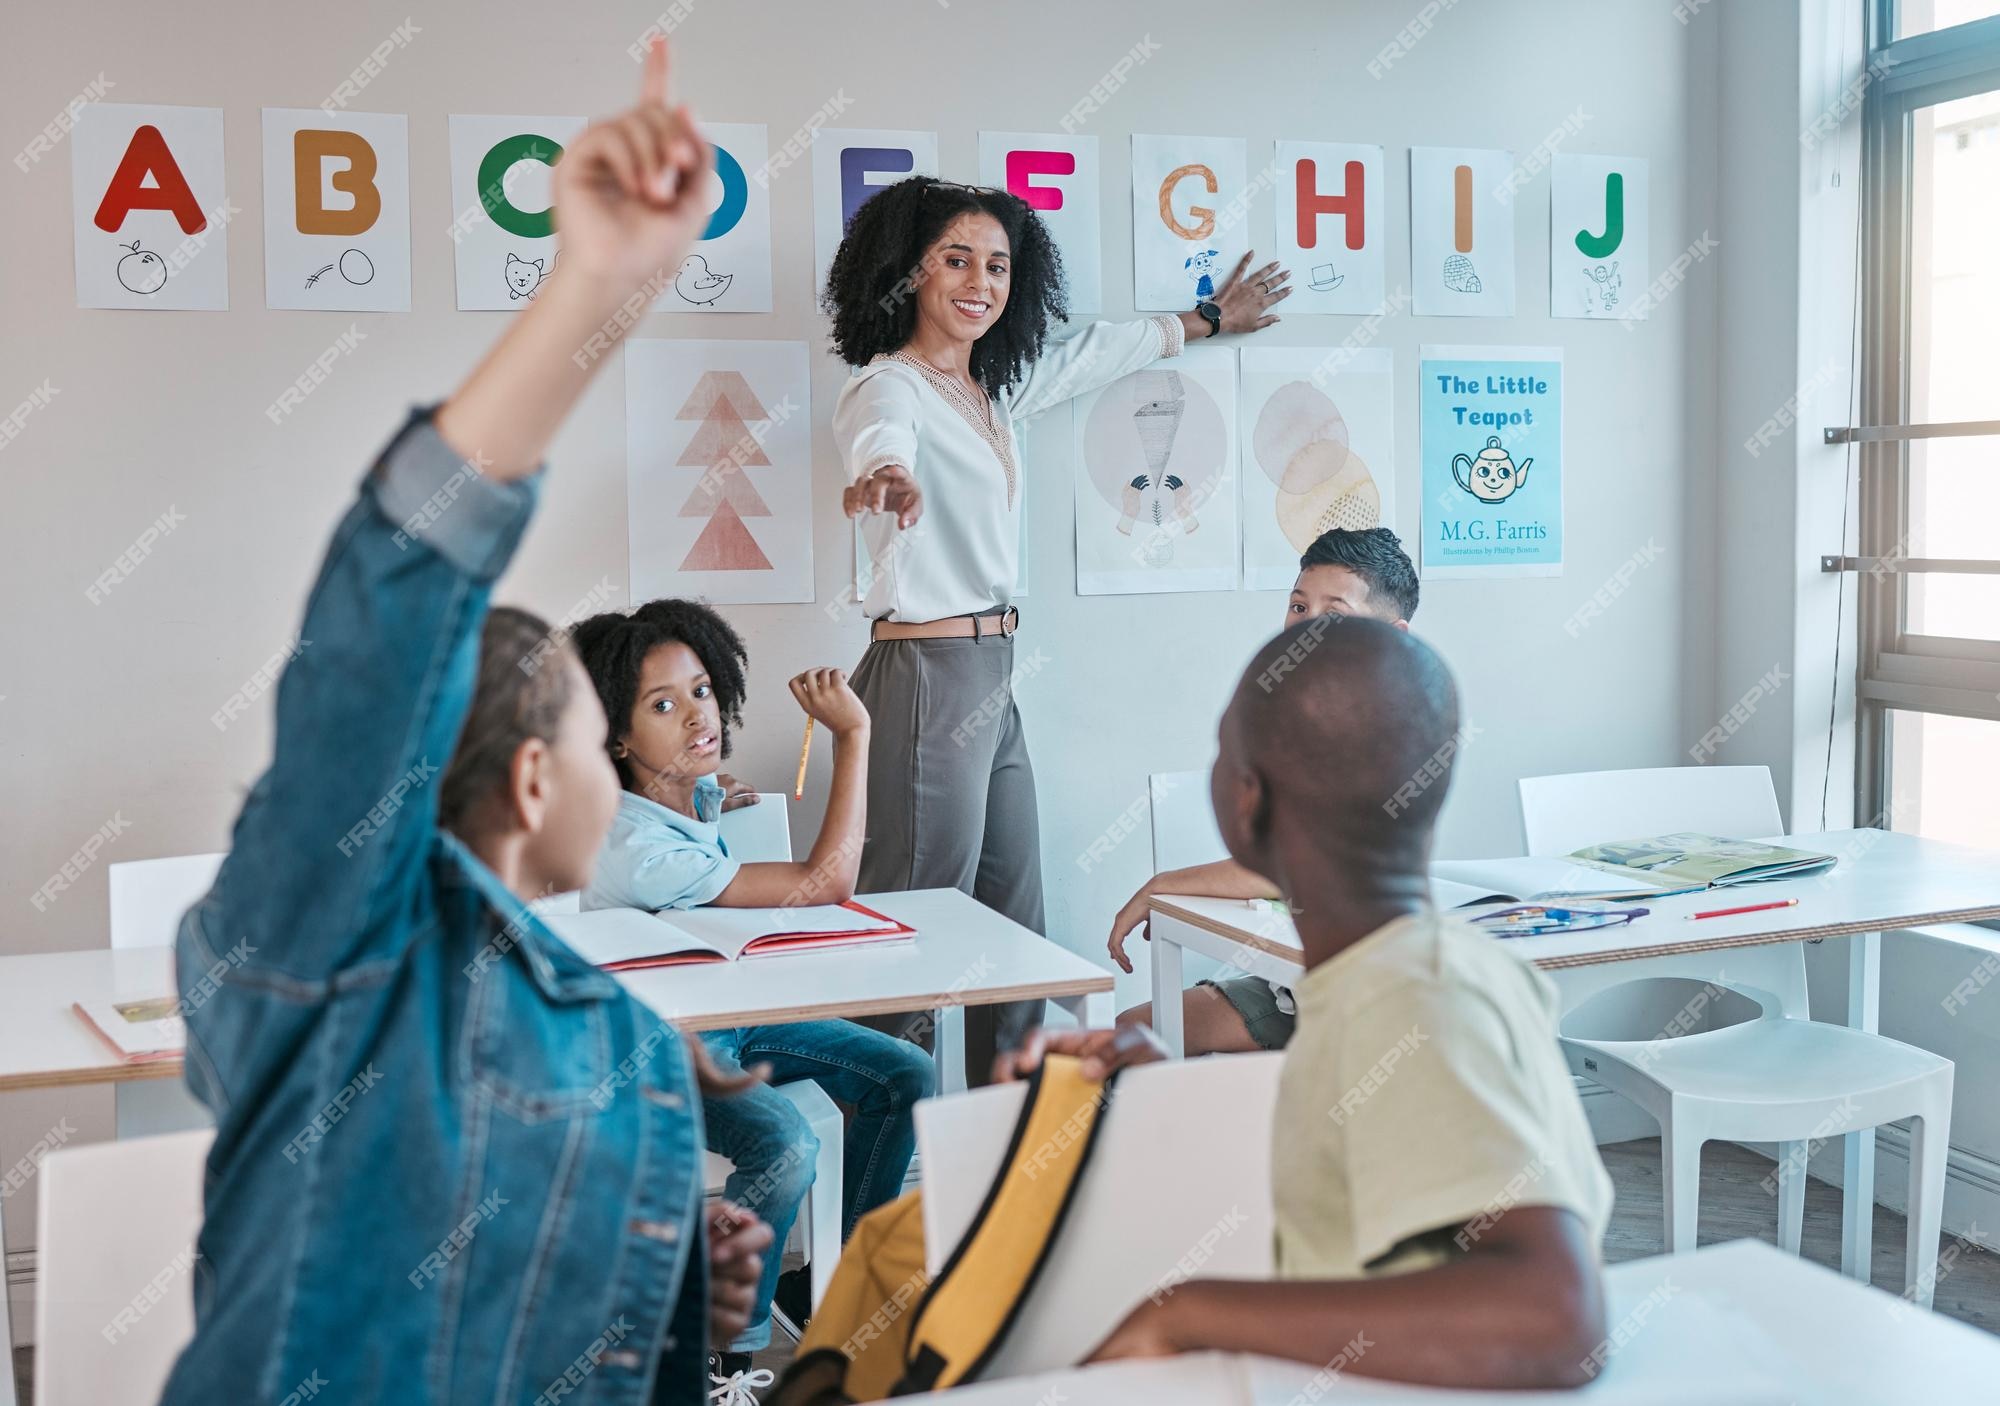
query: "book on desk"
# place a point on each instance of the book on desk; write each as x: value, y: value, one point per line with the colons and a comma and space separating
x: 138, y: 1031
x: 627, y: 939
x: 1683, y: 862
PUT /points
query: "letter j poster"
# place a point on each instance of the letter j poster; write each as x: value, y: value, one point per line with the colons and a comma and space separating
x: 1491, y: 432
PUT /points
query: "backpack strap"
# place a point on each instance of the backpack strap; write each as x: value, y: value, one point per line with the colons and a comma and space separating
x: 965, y: 1314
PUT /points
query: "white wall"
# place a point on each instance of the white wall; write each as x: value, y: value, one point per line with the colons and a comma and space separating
x: 107, y: 706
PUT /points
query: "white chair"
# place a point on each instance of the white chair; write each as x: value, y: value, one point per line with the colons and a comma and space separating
x: 115, y: 1238
x: 1184, y: 829
x: 148, y: 897
x: 1777, y: 1077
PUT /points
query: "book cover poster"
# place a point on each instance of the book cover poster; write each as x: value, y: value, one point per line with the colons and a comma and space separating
x: 719, y: 470
x: 1490, y: 420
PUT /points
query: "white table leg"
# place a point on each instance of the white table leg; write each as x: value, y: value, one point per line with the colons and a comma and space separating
x: 1090, y: 1011
x: 1857, y: 1202
x: 1167, y: 990
x: 948, y: 1049
x: 7, y: 1397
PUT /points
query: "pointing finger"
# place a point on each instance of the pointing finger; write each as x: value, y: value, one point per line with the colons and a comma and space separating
x: 653, y: 82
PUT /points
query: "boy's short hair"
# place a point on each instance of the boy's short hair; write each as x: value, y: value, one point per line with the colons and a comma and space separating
x: 1376, y: 555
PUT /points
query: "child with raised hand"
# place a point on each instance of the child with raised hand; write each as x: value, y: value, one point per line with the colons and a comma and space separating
x: 1450, y: 1209
x: 453, y: 1162
x: 672, y: 679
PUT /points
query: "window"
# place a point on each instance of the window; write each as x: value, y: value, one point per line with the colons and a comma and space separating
x: 1928, y: 688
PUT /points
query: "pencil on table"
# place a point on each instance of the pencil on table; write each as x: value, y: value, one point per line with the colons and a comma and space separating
x: 805, y: 752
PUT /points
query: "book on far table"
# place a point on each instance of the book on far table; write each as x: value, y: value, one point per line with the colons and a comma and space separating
x: 1684, y: 862
x: 624, y: 939
x: 139, y: 1031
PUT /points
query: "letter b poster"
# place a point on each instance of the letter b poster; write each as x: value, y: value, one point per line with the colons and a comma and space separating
x: 1492, y: 448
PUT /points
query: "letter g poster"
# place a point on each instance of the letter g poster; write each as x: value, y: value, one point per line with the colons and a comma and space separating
x: 1490, y: 422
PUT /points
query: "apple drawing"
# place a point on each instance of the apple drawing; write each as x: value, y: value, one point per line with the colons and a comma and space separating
x: 142, y: 271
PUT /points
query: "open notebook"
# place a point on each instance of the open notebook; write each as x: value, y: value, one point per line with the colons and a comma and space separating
x: 1651, y: 868
x: 620, y: 939
x: 140, y: 1031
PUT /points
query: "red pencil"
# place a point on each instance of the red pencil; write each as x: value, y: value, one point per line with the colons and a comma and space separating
x: 1747, y: 908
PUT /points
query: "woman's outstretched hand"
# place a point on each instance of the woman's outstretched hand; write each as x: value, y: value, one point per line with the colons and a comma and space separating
x: 889, y: 489
x: 1245, y: 300
x: 629, y: 191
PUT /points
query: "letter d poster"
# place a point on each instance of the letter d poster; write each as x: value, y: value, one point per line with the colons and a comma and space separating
x: 1491, y: 431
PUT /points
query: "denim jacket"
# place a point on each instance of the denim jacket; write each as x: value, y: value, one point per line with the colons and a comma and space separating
x: 454, y: 1162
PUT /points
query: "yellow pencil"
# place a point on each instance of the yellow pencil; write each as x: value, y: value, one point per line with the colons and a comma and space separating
x: 805, y: 752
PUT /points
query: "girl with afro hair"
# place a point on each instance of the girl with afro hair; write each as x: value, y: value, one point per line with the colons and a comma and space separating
x: 944, y: 298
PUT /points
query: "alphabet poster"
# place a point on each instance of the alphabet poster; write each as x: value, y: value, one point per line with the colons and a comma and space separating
x: 1190, y: 218
x: 719, y: 470
x: 151, y: 214
x: 849, y: 165
x: 336, y: 210
x: 1318, y: 441
x: 1491, y: 421
x: 1598, y: 215
x: 1461, y: 232
x: 503, y: 206
x: 1057, y: 176
x: 729, y: 268
x: 1155, y: 478
x: 1331, y: 230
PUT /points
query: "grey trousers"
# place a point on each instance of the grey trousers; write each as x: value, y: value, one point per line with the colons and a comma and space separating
x: 951, y: 801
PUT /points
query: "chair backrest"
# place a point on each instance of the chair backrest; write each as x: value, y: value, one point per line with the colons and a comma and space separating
x: 1184, y: 830
x: 148, y: 896
x: 116, y: 1226
x: 759, y: 834
x: 1562, y: 814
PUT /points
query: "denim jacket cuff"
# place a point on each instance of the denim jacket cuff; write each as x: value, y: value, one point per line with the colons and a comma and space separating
x: 431, y: 495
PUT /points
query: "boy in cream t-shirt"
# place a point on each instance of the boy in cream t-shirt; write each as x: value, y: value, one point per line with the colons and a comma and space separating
x: 1439, y: 1198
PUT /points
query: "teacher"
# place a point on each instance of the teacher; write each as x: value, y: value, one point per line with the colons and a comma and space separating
x: 942, y: 296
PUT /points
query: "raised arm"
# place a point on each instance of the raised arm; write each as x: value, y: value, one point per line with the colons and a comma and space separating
x: 370, y: 707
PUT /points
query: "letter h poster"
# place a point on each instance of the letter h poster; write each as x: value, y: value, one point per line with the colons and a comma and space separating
x: 1490, y: 420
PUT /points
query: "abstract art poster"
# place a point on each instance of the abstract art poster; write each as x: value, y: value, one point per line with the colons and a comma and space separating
x: 849, y: 165
x: 1598, y: 216
x: 1057, y: 176
x: 503, y: 207
x: 1461, y: 232
x: 150, y: 211
x: 1155, y: 478
x: 718, y: 470
x: 1492, y: 451
x: 336, y: 210
x: 729, y: 268
x: 1318, y: 441
x: 1190, y: 208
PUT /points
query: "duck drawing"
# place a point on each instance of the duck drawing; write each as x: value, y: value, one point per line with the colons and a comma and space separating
x: 697, y: 285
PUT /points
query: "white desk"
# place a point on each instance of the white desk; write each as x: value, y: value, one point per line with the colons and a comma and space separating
x: 1816, y: 1336
x: 1884, y: 882
x: 964, y: 954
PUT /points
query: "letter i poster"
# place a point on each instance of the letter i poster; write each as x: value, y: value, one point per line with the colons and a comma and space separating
x: 1490, y: 420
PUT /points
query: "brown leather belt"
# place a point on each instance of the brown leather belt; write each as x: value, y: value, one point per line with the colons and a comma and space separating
x: 954, y: 627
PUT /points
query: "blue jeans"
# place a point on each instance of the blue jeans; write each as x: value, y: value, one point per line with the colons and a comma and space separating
x: 775, y: 1152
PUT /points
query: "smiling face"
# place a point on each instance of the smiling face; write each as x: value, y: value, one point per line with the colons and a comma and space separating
x: 676, y: 726
x: 966, y: 278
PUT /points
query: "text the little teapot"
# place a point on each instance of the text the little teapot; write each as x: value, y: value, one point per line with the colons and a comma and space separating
x: 1493, y: 476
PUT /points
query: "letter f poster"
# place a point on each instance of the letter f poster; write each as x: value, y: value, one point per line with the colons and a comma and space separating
x: 1491, y: 432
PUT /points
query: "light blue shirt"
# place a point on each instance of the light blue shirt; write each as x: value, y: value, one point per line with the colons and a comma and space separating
x: 655, y: 857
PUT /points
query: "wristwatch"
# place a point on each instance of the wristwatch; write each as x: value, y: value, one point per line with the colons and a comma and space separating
x: 1213, y: 314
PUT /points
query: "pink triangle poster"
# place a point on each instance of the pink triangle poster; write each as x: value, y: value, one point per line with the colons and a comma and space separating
x: 719, y: 470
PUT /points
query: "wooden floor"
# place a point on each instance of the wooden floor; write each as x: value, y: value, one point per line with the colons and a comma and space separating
x: 1734, y: 1206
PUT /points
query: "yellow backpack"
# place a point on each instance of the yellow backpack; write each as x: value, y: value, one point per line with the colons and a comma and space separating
x: 885, y: 1328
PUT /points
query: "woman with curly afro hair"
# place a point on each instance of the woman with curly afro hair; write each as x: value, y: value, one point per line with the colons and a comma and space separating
x: 943, y: 297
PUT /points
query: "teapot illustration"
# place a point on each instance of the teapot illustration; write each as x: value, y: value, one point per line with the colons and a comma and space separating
x: 1493, y: 476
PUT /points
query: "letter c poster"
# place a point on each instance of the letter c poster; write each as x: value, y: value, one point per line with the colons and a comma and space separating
x: 503, y: 206
x: 1490, y: 420
x: 149, y: 208
x: 336, y: 210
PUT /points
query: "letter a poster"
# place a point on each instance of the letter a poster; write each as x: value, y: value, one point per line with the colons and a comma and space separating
x: 150, y: 211
x: 1492, y: 446
x: 719, y: 470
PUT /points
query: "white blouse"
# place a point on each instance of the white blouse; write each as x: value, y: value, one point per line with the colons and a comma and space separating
x: 963, y: 555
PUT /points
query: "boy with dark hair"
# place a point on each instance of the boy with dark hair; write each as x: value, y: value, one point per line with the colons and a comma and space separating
x: 1435, y: 1184
x: 1343, y: 572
